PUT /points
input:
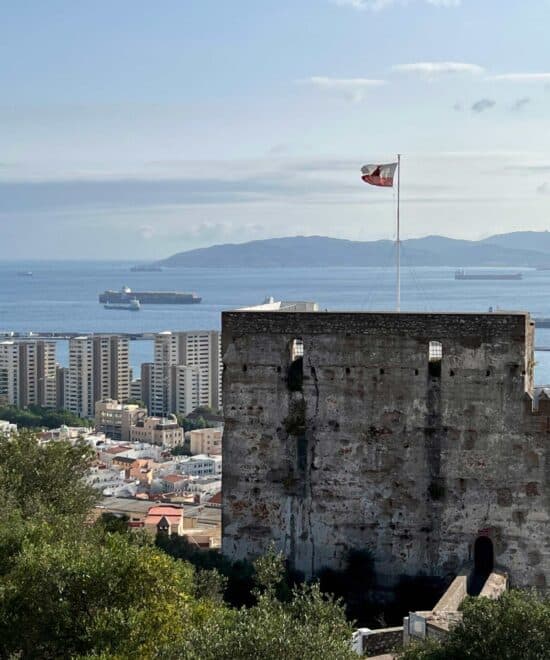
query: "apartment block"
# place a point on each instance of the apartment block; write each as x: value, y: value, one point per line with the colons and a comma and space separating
x: 162, y: 431
x: 182, y: 390
x: 116, y: 419
x: 98, y: 369
x: 27, y: 373
x: 206, y: 441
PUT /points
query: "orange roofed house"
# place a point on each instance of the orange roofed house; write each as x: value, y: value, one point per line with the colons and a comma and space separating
x: 167, y: 519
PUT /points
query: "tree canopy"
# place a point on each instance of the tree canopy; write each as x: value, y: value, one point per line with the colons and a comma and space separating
x: 74, y: 588
x: 38, y: 417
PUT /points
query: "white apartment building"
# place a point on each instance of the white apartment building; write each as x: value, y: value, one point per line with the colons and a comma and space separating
x: 200, y: 465
x: 27, y: 373
x: 98, y: 369
x: 37, y: 373
x: 79, y: 397
x: 185, y: 389
x: 206, y: 441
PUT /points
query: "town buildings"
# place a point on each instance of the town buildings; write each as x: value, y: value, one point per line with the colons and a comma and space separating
x: 418, y: 437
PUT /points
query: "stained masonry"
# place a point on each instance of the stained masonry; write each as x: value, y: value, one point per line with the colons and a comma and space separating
x: 366, y: 442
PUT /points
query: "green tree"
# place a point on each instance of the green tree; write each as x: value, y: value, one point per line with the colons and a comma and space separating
x: 39, y: 478
x: 514, y: 627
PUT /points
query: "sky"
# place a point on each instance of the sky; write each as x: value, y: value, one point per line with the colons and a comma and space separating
x: 133, y: 129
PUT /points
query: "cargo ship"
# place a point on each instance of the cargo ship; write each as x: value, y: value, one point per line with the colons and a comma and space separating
x: 463, y: 275
x: 149, y: 297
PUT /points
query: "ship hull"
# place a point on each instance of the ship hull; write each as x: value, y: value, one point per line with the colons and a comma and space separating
x: 151, y: 297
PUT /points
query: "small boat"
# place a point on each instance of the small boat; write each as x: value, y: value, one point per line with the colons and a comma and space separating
x: 25, y: 273
x: 461, y: 274
x: 131, y: 305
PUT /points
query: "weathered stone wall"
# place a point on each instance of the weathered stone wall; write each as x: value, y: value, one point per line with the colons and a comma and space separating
x: 383, y: 640
x: 372, y: 451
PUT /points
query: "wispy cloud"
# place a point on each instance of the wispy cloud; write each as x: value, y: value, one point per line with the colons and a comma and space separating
x: 352, y: 88
x: 544, y: 188
x: 377, y: 5
x: 519, y: 104
x: 482, y: 105
x: 522, y: 77
x: 436, y: 69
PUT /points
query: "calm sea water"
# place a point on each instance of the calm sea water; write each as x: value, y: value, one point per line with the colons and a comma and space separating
x: 62, y: 296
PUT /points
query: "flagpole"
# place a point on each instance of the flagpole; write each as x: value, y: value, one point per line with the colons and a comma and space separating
x: 398, y: 242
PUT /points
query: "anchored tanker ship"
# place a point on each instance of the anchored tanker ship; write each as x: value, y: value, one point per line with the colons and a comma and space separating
x: 149, y: 297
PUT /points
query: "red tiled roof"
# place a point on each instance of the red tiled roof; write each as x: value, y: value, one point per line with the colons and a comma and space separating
x: 117, y: 450
x: 173, y: 478
x: 217, y: 498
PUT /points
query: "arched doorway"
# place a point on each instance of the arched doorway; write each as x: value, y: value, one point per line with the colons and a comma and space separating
x: 483, y: 556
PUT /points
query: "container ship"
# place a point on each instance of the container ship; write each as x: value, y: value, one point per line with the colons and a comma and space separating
x: 463, y: 275
x: 149, y: 297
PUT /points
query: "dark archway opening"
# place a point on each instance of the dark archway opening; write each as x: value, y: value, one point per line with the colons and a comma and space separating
x: 483, y: 564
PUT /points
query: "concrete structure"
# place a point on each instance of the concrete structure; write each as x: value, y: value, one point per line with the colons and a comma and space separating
x: 27, y: 373
x: 116, y: 419
x: 162, y: 431
x: 168, y: 389
x: 412, y: 435
x: 9, y: 373
x: 98, y: 369
x: 206, y: 441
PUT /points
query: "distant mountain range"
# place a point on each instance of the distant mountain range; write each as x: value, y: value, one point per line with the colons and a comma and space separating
x: 517, y: 249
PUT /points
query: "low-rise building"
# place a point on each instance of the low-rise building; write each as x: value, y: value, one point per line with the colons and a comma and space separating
x: 200, y: 465
x: 168, y: 519
x: 206, y: 441
x: 163, y: 431
x: 116, y: 419
x: 7, y: 429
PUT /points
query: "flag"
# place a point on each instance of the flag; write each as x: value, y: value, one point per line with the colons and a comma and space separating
x: 379, y: 175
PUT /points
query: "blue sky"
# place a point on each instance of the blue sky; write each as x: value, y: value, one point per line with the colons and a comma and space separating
x: 140, y: 129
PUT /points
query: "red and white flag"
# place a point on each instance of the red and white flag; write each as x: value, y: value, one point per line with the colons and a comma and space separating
x: 379, y: 175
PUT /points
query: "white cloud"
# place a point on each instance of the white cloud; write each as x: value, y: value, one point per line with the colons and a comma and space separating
x: 352, y: 88
x: 377, y: 5
x: 435, y: 69
x: 522, y: 77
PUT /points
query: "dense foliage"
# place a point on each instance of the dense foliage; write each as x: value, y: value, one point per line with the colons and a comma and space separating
x: 37, y: 417
x: 74, y: 588
x: 514, y: 627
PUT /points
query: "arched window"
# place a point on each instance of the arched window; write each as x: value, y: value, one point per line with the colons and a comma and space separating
x: 435, y: 355
x: 295, y: 376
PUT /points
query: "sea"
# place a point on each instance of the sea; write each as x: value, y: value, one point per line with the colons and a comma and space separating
x: 63, y: 296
